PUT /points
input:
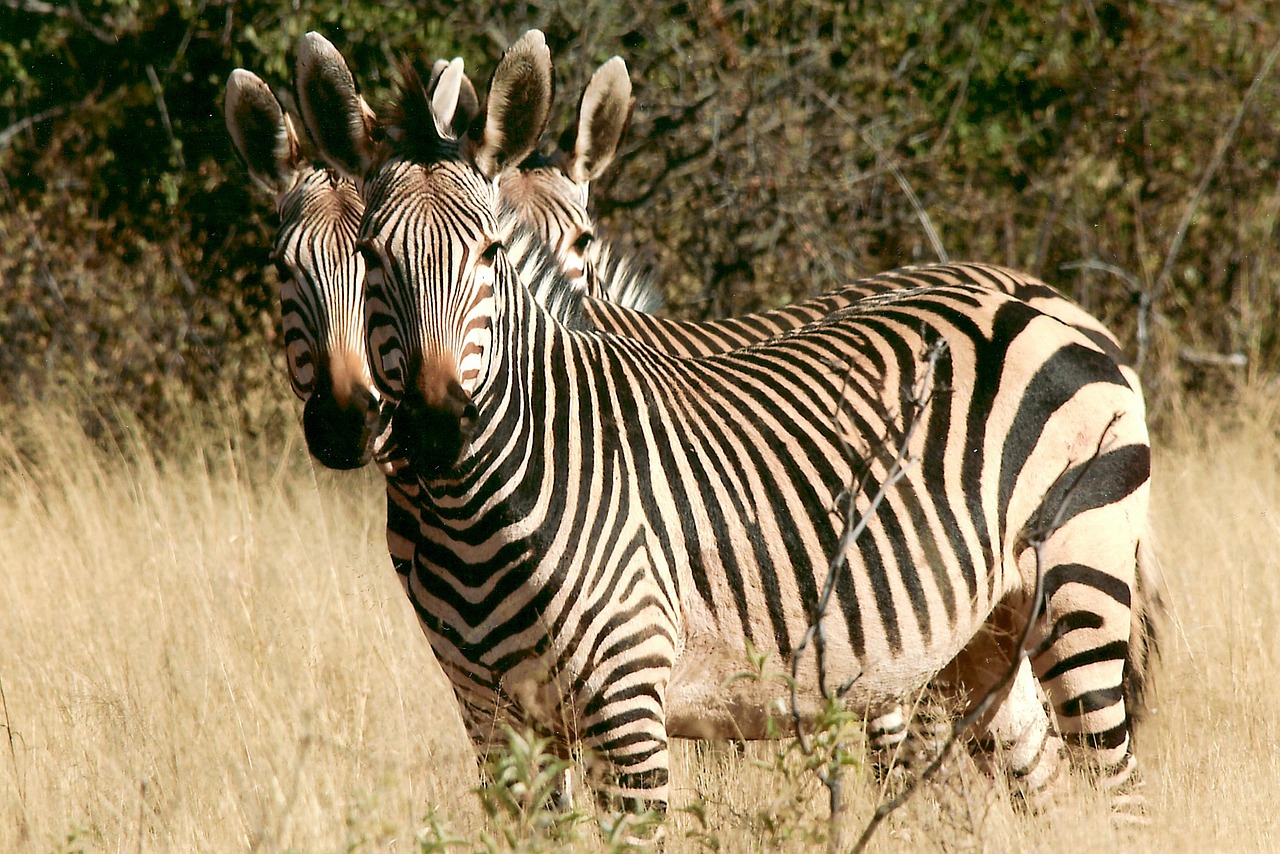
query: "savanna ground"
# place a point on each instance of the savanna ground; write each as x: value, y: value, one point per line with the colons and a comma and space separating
x: 210, y: 652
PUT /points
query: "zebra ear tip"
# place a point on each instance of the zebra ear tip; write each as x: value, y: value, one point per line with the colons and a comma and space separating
x: 314, y: 41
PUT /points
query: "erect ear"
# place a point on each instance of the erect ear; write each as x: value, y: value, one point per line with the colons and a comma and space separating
x: 516, y: 111
x: 262, y: 132
x: 468, y: 107
x: 337, y: 118
x: 603, y: 114
x: 467, y: 104
x: 445, y: 90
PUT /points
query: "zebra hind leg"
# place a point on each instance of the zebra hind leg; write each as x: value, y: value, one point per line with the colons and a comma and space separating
x: 1018, y: 741
x: 1082, y: 644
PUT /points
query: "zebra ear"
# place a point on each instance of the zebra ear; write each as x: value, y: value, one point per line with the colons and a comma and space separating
x: 507, y: 130
x: 262, y: 132
x: 445, y: 91
x: 603, y: 115
x: 468, y: 107
x: 337, y: 118
x: 467, y: 104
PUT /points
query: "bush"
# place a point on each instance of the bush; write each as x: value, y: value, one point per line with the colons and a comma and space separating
x: 778, y: 149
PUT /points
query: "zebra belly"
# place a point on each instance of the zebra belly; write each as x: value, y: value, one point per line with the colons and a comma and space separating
x: 714, y: 693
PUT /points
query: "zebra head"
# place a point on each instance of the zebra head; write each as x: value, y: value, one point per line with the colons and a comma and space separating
x: 430, y: 235
x: 549, y: 194
x: 321, y: 277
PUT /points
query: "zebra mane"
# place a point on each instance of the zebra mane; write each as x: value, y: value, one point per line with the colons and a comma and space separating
x: 411, y: 122
x: 539, y: 271
x: 621, y: 281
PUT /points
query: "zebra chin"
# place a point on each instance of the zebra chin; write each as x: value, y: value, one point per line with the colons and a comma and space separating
x: 432, y: 435
x: 342, y: 434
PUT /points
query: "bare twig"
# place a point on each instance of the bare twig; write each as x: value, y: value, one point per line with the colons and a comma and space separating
x: 22, y: 124
x: 69, y: 11
x: 1219, y: 153
x: 34, y: 7
x: 13, y: 755
x: 1141, y: 294
x: 1207, y: 359
x: 175, y: 147
x: 854, y: 526
x: 1036, y: 540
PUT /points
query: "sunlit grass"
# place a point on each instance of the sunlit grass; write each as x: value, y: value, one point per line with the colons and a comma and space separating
x: 210, y: 652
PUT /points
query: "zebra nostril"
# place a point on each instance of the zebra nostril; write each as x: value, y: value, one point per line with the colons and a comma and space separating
x: 340, y: 435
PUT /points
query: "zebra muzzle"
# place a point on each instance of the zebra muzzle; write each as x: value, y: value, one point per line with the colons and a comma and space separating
x: 434, y: 432
x: 341, y: 433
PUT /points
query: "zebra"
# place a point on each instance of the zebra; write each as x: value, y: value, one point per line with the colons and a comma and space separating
x: 606, y: 527
x: 321, y: 276
x: 551, y: 193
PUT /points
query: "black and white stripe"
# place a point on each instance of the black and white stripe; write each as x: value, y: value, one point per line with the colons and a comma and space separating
x: 605, y: 527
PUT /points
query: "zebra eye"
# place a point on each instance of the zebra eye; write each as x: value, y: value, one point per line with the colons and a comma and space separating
x: 282, y: 269
x: 491, y: 252
x: 583, y: 241
x: 369, y: 255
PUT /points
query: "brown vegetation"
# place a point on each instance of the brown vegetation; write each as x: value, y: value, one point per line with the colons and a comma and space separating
x: 211, y: 652
x: 1126, y: 152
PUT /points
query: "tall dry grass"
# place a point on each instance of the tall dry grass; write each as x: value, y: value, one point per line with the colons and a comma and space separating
x: 211, y: 653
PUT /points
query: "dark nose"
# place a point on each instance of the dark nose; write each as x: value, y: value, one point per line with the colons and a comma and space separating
x: 433, y: 435
x: 341, y: 434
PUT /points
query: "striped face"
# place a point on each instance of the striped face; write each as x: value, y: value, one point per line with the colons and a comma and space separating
x: 322, y: 310
x: 542, y: 197
x: 429, y: 239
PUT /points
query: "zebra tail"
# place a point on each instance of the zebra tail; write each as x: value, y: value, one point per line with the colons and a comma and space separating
x: 1150, y: 613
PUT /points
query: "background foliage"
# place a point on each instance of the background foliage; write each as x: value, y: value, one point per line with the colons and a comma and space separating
x: 1124, y: 151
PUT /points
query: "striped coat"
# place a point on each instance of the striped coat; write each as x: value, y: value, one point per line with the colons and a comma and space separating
x: 605, y: 527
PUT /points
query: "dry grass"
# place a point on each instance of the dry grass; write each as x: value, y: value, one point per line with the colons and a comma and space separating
x: 213, y: 654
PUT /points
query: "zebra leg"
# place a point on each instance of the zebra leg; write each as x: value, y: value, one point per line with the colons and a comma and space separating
x: 1015, y: 737
x: 1082, y: 643
x: 894, y: 749
x: 624, y: 741
x: 1018, y: 740
x: 628, y: 766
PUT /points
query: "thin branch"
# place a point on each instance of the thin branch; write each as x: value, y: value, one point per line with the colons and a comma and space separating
x: 1036, y: 540
x: 69, y: 12
x: 35, y: 7
x: 854, y: 526
x: 1142, y: 295
x: 20, y: 125
x: 1135, y: 286
x: 174, y: 146
x: 926, y: 223
x: 13, y: 755
x: 1219, y: 152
